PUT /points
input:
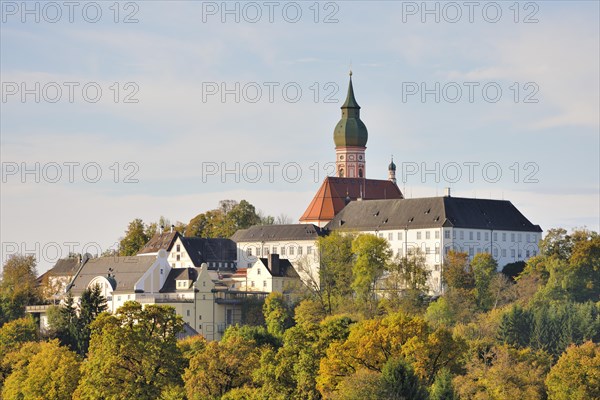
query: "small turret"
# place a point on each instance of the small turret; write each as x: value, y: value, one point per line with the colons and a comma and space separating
x: 392, y: 171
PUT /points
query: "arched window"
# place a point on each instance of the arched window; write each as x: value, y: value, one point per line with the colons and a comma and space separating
x: 341, y: 172
x: 360, y: 173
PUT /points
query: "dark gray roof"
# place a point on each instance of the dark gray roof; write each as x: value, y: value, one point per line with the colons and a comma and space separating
x: 159, y: 241
x: 178, y: 274
x: 286, y: 269
x: 432, y: 212
x: 126, y: 271
x: 207, y: 250
x: 65, y: 266
x: 278, y: 232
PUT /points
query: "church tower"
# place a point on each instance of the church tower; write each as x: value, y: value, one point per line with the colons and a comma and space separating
x: 350, y: 137
x: 392, y: 171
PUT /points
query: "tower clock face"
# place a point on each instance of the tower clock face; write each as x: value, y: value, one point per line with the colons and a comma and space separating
x: 351, y: 157
x: 360, y: 157
x: 341, y: 157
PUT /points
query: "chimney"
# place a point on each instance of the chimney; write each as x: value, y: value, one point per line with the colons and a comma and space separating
x: 172, y: 227
x: 273, y: 262
x: 447, y: 192
x: 162, y: 229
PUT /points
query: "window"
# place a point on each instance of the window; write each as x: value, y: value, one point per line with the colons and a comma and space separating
x: 200, y: 317
x: 264, y: 283
x: 437, y: 267
x: 470, y: 235
x: 453, y: 233
x: 308, y: 249
x: 252, y: 283
x: 249, y: 251
x: 471, y: 250
x: 178, y: 247
x: 462, y: 235
x: 478, y: 235
x: 427, y: 250
x: 258, y: 270
x: 161, y: 271
x: 427, y: 235
x: 503, y: 252
x: 283, y: 250
x: 495, y: 236
x: 249, y: 265
x: 399, y: 235
x: 512, y: 237
x: 495, y: 252
x: 266, y: 251
x: 487, y: 236
x: 274, y: 249
x: 512, y: 253
x: 520, y: 254
x: 299, y: 250
x: 527, y: 238
x: 527, y: 253
x: 399, y: 252
x: 118, y: 298
x: 478, y: 250
x: 390, y: 236
x: 446, y: 234
x: 291, y: 250
x: 418, y: 234
x: 187, y: 313
x: 203, y: 297
x: 380, y: 235
x: 437, y: 248
x: 437, y: 234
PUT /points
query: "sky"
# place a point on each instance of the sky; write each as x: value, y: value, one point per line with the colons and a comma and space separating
x: 112, y: 111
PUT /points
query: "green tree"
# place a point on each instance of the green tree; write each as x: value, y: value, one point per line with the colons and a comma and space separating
x: 443, y: 388
x: 277, y: 314
x: 373, y: 256
x: 52, y: 373
x: 92, y: 304
x: 135, y: 238
x: 399, y: 381
x: 484, y: 269
x: 516, y: 327
x: 18, y: 287
x: 576, y: 375
x: 132, y: 354
x: 335, y: 271
x: 224, y: 221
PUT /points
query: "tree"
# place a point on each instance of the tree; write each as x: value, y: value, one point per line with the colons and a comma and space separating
x: 484, y: 269
x: 373, y: 256
x: 505, y: 373
x: 442, y: 388
x: 374, y: 342
x: 12, y: 335
x: 71, y: 324
x: 516, y: 327
x: 18, y: 287
x: 514, y: 269
x: 222, y: 366
x: 407, y: 273
x: 52, y: 373
x: 398, y: 381
x: 576, y: 375
x: 132, y: 354
x: 224, y: 221
x: 135, y: 238
x: 335, y: 271
x: 457, y: 271
x: 277, y: 314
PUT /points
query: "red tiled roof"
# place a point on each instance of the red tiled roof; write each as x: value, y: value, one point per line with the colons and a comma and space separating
x: 331, y: 197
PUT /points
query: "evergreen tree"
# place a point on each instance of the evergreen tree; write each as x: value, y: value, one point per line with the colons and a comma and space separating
x: 442, y: 388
